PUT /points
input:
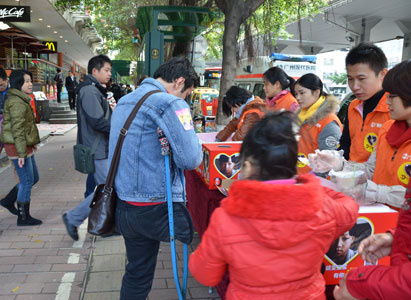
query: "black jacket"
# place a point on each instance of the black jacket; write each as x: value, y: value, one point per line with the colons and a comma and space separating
x: 91, y: 108
x: 71, y: 84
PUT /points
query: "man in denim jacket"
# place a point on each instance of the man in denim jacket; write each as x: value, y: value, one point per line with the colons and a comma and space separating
x: 140, y: 182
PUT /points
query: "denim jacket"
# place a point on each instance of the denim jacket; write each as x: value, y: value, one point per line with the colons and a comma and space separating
x: 141, y: 172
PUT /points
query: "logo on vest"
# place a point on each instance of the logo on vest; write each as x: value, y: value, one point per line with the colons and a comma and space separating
x: 404, y: 173
x: 370, y: 141
x: 378, y: 125
x: 302, y: 160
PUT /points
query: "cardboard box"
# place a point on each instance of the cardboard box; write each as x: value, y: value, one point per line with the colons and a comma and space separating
x: 220, y: 161
x: 343, y: 253
x: 225, y: 186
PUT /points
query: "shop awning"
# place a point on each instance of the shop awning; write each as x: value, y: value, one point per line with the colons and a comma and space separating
x: 122, y: 67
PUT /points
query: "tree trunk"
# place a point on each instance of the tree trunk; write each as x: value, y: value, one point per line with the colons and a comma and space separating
x: 232, y: 24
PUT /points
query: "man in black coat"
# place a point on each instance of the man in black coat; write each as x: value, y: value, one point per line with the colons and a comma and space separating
x: 71, y: 84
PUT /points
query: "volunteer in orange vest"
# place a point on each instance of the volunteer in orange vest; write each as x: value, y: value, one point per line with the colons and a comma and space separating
x: 389, y: 282
x: 366, y: 67
x: 277, y: 88
x: 247, y: 110
x: 320, y: 127
x: 388, y: 170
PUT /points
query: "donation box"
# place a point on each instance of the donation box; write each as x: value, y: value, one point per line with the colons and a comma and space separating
x: 343, y: 253
x: 220, y: 161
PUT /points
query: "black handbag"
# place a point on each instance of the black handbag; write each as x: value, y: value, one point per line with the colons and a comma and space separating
x: 103, y: 206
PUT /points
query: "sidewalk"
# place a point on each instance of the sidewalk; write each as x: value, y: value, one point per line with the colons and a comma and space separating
x: 42, y: 262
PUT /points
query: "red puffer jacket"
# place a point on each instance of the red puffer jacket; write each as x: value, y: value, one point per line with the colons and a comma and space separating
x: 383, y: 282
x: 272, y: 239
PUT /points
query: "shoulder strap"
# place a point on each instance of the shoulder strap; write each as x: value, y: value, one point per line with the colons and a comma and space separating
x: 123, y: 132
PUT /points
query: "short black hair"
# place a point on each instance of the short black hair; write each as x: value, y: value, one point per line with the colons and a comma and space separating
x: 58, y: 70
x: 97, y: 62
x: 17, y: 78
x: 175, y: 68
x: 275, y: 74
x: 397, y: 81
x: 367, y: 53
x: 310, y: 81
x: 235, y: 96
x: 3, y: 74
x: 271, y: 147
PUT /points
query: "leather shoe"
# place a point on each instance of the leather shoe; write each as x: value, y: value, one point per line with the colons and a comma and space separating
x: 71, y: 229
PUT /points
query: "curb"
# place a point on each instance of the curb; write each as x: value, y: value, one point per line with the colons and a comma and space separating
x: 88, y: 268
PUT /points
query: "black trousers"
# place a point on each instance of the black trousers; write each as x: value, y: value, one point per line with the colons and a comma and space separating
x: 143, y: 228
x: 72, y: 99
x: 59, y: 88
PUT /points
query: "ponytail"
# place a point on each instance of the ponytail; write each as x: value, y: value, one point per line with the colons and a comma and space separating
x: 275, y: 74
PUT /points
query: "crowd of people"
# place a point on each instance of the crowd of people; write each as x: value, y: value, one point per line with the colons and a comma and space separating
x: 278, y: 221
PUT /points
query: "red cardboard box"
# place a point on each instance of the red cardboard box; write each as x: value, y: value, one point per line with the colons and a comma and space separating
x: 343, y: 253
x: 220, y: 161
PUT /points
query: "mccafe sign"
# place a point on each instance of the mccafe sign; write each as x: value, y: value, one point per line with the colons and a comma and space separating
x: 14, y: 13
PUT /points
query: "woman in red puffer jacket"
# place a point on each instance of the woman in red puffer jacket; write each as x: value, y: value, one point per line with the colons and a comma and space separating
x: 273, y: 230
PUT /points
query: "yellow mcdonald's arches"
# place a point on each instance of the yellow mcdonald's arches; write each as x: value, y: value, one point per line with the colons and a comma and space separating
x: 51, y: 46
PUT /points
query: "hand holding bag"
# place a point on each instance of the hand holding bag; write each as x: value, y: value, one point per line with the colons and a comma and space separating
x: 101, y: 217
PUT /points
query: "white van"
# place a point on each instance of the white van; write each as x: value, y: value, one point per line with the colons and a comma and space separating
x: 249, y: 75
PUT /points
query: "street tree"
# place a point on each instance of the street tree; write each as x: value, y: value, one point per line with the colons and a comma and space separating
x: 268, y: 17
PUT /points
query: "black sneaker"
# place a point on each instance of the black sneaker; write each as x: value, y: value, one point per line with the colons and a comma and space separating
x: 71, y: 229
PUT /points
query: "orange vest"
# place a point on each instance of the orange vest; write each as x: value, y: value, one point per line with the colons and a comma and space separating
x: 308, y: 142
x: 250, y: 111
x: 287, y: 102
x: 364, y: 134
x: 393, y: 166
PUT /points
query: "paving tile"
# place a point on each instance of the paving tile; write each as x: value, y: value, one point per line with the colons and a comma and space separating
x: 45, y: 277
x: 5, y: 245
x: 68, y: 267
x: 20, y: 288
x: 110, y: 247
x: 12, y: 278
x: 202, y: 292
x: 29, y: 259
x: 32, y: 268
x: 102, y: 296
x: 27, y: 245
x: 51, y: 259
x: 163, y: 294
x: 48, y: 238
x: 104, y: 281
x: 6, y: 268
x: 108, y: 263
x: 11, y: 252
x: 36, y: 297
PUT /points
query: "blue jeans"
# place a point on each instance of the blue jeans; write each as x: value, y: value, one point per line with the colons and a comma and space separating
x: 77, y: 215
x: 90, y: 185
x: 28, y: 176
x: 143, y: 228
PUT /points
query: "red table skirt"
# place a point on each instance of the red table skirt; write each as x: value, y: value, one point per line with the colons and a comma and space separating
x: 201, y: 203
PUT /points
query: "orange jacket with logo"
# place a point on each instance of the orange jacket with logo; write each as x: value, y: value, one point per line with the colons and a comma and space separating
x: 287, y: 102
x: 393, y: 166
x: 311, y: 129
x: 252, y: 113
x: 364, y: 133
